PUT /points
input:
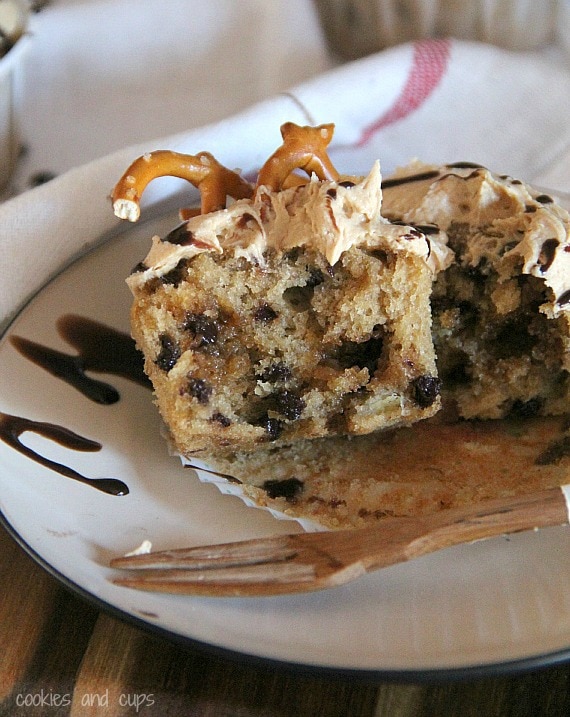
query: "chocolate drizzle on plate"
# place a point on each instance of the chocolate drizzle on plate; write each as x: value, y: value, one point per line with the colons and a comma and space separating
x: 100, y: 349
x: 12, y: 427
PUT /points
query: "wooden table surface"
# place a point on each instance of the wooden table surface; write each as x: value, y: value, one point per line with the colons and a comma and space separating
x: 59, y: 655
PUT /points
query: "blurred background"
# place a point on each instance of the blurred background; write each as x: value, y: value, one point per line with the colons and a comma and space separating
x: 82, y: 78
x: 358, y: 27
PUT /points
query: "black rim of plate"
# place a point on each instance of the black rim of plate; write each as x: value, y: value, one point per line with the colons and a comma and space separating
x: 420, y: 675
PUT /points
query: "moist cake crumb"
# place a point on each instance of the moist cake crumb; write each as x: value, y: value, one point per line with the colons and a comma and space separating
x: 295, y: 313
x: 501, y: 318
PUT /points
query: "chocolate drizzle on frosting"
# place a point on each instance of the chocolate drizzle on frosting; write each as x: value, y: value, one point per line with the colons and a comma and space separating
x: 547, y: 254
x: 464, y: 165
x: 12, y: 427
x: 179, y: 235
x: 430, y: 174
x: 564, y: 298
x: 545, y: 258
x: 419, y: 177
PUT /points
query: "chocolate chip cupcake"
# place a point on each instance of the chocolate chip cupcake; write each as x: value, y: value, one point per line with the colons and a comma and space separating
x: 295, y: 312
x: 501, y: 310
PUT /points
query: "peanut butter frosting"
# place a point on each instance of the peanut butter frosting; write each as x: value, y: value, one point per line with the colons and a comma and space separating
x: 329, y: 216
x: 510, y: 224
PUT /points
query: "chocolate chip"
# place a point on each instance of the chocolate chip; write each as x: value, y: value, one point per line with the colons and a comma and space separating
x: 526, y: 409
x: 457, y: 374
x: 316, y: 277
x: 176, y: 275
x: 265, y: 314
x: 275, y: 373
x: 198, y: 389
x: 273, y: 427
x: 469, y: 313
x: 221, y: 419
x: 363, y: 355
x: 169, y: 353
x: 513, y: 339
x: 478, y: 274
x: 288, y: 488
x: 425, y: 390
x: 544, y: 199
x: 204, y: 328
x: 289, y: 404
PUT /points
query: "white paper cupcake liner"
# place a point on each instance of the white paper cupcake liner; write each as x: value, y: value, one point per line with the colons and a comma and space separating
x: 229, y: 487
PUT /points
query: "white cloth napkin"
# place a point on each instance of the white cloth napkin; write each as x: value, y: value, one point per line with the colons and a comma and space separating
x: 105, y: 74
x: 440, y: 100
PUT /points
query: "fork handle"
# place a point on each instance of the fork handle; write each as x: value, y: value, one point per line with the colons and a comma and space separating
x: 491, y: 518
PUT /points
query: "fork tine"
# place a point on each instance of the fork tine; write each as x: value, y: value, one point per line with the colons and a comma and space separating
x: 249, y: 552
x: 312, y: 561
x: 263, y: 578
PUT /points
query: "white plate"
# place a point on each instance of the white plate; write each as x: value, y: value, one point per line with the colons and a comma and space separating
x: 488, y: 607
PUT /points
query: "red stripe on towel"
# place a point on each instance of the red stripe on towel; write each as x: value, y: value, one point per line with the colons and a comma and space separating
x: 429, y: 64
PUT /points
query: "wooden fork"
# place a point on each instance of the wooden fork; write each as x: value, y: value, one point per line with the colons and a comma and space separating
x: 313, y: 561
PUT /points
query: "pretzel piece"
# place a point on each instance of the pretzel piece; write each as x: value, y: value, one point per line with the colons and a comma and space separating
x: 303, y: 148
x: 214, y: 181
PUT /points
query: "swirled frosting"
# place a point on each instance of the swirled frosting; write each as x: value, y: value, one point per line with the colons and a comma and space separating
x: 509, y: 223
x: 328, y: 216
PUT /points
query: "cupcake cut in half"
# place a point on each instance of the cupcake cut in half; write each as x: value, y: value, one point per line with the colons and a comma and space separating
x: 501, y: 310
x: 293, y: 311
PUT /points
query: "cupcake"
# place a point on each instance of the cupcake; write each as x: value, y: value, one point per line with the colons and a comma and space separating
x: 296, y: 312
x: 501, y: 310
